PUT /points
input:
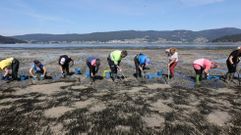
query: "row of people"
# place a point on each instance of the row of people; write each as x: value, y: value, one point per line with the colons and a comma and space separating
x: 204, y: 65
x: 39, y: 70
x: 11, y: 65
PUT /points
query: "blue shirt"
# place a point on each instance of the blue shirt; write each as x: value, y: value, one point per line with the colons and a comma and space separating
x: 142, y: 59
x: 38, y: 69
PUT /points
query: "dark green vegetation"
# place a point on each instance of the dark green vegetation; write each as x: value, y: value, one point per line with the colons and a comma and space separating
x: 122, y: 109
x: 142, y: 36
x: 231, y: 38
x: 10, y: 40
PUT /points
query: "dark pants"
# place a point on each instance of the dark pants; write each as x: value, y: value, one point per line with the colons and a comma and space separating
x: 65, y: 68
x: 199, y: 72
x: 15, y: 67
x: 231, y: 67
x: 113, y: 68
x: 91, y: 68
x: 138, y: 71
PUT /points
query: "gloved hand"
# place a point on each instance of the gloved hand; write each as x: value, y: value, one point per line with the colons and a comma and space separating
x: 42, y: 77
x: 62, y: 74
x: 119, y: 69
x: 3, y: 77
x: 207, y: 75
x: 35, y: 77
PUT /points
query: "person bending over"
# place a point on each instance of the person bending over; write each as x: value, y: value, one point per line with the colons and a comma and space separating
x: 10, y: 67
x: 232, y: 62
x: 114, y: 60
x: 201, y: 65
x: 65, y: 62
x: 141, y: 61
x: 93, y: 65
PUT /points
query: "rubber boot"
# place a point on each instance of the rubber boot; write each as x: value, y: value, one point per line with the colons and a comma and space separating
x: 231, y: 77
x: 227, y: 77
x: 197, y: 79
x: 114, y: 76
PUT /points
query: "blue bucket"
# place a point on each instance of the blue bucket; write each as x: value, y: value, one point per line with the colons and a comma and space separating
x: 159, y: 73
x: 213, y: 77
x: 107, y: 75
x: 150, y: 76
x: 23, y: 77
x: 147, y: 76
x: 77, y: 71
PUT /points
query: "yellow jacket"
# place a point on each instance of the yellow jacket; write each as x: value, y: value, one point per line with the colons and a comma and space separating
x: 6, y: 63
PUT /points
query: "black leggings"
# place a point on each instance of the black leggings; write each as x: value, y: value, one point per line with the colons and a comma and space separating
x: 65, y: 68
x: 113, y: 68
x: 92, y: 69
x: 200, y: 71
x: 138, y: 71
x: 15, y: 67
x: 231, y: 67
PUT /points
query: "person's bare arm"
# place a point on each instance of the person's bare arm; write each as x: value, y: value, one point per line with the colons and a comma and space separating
x: 231, y: 60
x: 31, y: 72
x: 45, y: 70
x: 7, y: 72
x: 61, y: 69
x: 172, y: 61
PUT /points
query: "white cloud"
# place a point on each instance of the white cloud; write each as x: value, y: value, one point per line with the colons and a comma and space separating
x: 199, y: 2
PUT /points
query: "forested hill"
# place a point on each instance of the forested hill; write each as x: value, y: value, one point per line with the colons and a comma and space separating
x: 132, y: 36
x: 231, y: 38
x: 10, y: 40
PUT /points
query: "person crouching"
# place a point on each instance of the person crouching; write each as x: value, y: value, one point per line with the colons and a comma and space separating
x: 38, y: 70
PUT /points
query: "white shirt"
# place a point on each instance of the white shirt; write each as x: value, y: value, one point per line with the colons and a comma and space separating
x: 174, y: 56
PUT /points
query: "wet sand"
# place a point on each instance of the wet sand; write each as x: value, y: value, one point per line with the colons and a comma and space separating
x: 74, y: 105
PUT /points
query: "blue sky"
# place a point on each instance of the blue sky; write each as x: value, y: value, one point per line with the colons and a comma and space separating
x: 85, y: 16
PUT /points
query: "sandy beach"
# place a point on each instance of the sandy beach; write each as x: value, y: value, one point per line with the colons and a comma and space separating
x: 74, y: 105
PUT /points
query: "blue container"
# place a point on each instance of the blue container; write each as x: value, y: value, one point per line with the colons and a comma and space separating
x: 77, y: 71
x: 159, y: 73
x: 213, y: 77
x: 23, y: 77
x: 149, y: 76
x: 107, y: 75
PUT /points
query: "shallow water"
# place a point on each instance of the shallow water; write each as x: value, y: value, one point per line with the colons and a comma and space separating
x: 126, y: 46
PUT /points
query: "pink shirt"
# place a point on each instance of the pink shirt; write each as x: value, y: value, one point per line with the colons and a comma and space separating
x: 93, y: 62
x: 204, y: 63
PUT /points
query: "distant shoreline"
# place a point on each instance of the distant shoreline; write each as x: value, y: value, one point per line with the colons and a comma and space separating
x: 119, y: 46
